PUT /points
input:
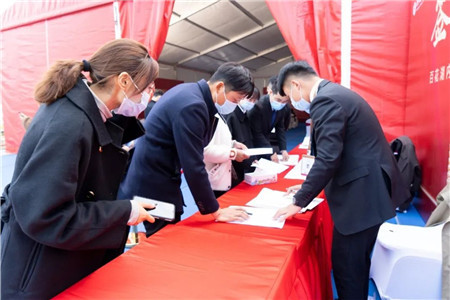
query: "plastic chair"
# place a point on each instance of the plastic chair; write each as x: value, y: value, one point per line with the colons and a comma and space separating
x: 407, y: 262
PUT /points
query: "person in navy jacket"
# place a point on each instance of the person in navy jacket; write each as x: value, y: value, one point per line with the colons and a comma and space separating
x: 240, y: 128
x: 178, y: 128
x: 355, y: 166
x: 61, y: 217
x: 271, y: 113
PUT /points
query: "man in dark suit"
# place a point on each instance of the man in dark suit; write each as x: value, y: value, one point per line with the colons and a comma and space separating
x: 355, y: 165
x: 156, y: 95
x: 176, y: 132
x: 240, y: 129
x: 271, y: 112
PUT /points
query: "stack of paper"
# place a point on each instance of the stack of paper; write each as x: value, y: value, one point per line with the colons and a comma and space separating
x: 296, y: 173
x: 269, y: 198
x: 292, y: 161
x: 269, y: 166
x: 260, y: 217
x: 312, y: 204
x: 258, y: 151
x: 305, y: 143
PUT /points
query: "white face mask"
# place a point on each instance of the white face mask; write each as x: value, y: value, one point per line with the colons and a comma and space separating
x: 302, y: 105
x: 130, y: 108
x: 277, y: 105
x: 227, y: 107
x: 246, y: 105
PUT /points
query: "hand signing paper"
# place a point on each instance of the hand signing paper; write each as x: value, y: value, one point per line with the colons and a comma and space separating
x: 293, y: 189
x: 230, y: 214
x: 286, y: 212
x: 274, y: 157
x: 285, y: 155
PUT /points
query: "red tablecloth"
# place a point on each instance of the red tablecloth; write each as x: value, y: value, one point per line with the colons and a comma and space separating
x: 199, y: 258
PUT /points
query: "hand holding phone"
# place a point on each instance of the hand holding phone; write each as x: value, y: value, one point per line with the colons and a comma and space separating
x: 162, y: 210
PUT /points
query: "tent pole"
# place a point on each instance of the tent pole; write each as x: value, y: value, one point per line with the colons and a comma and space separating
x: 346, y: 41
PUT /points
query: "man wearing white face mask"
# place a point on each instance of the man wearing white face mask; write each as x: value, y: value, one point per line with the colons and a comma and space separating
x: 353, y: 163
x: 271, y: 113
x: 178, y: 129
x: 239, y: 125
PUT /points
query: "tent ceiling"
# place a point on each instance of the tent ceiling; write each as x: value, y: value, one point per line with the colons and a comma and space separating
x: 204, y: 34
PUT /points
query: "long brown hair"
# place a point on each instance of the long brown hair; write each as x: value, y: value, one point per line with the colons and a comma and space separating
x: 113, y: 58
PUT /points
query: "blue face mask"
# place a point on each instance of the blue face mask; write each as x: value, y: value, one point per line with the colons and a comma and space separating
x: 227, y: 107
x: 302, y: 105
x: 246, y: 105
x: 277, y: 105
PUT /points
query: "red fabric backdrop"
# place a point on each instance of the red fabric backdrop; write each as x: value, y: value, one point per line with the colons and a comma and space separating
x: 146, y: 21
x: 35, y: 34
x: 427, y: 108
x: 312, y: 31
x: 393, y: 61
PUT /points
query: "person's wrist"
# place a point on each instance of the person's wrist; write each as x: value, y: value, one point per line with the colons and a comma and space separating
x: 233, y: 154
x: 216, y: 214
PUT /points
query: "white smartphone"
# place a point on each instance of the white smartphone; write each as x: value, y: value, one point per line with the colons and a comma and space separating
x: 163, y: 210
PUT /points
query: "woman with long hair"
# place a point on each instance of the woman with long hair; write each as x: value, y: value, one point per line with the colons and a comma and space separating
x: 61, y: 217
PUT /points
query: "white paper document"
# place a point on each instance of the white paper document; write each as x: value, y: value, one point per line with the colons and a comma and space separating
x: 296, y: 173
x: 258, y: 151
x: 270, y: 166
x: 305, y: 143
x: 292, y: 161
x: 260, y: 217
x: 312, y: 204
x: 268, y: 198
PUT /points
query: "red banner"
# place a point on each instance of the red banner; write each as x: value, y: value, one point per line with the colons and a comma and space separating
x: 36, y: 35
x: 312, y: 31
x: 146, y: 21
x: 427, y: 98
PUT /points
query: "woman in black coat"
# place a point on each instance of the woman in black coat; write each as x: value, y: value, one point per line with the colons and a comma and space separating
x: 61, y: 219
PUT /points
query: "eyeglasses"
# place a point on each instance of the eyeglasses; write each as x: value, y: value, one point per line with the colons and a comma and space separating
x: 150, y: 88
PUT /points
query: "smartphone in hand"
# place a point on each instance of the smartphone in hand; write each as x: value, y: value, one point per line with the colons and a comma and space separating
x: 163, y: 210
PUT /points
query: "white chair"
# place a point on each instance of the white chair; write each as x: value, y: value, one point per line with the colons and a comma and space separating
x: 407, y: 262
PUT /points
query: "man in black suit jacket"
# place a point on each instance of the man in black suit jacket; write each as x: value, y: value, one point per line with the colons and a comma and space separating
x: 177, y: 130
x: 355, y: 165
x: 271, y: 112
x: 156, y: 95
x: 239, y: 125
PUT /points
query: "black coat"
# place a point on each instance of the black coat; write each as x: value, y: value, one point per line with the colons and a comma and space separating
x: 62, y: 221
x: 353, y: 160
x: 261, y: 118
x: 178, y: 128
x: 240, y: 129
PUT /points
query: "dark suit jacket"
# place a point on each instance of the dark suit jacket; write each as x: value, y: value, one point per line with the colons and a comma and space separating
x: 177, y: 130
x: 62, y: 219
x: 239, y: 125
x: 353, y: 160
x: 260, y: 119
x: 149, y: 108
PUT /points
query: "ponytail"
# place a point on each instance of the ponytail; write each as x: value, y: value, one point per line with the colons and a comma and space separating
x: 57, y: 81
x: 116, y: 56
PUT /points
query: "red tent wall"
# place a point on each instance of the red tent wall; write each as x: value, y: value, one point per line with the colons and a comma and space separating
x: 312, y: 31
x: 146, y: 21
x: 427, y: 117
x: 35, y: 34
x: 379, y: 59
x: 392, y: 62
